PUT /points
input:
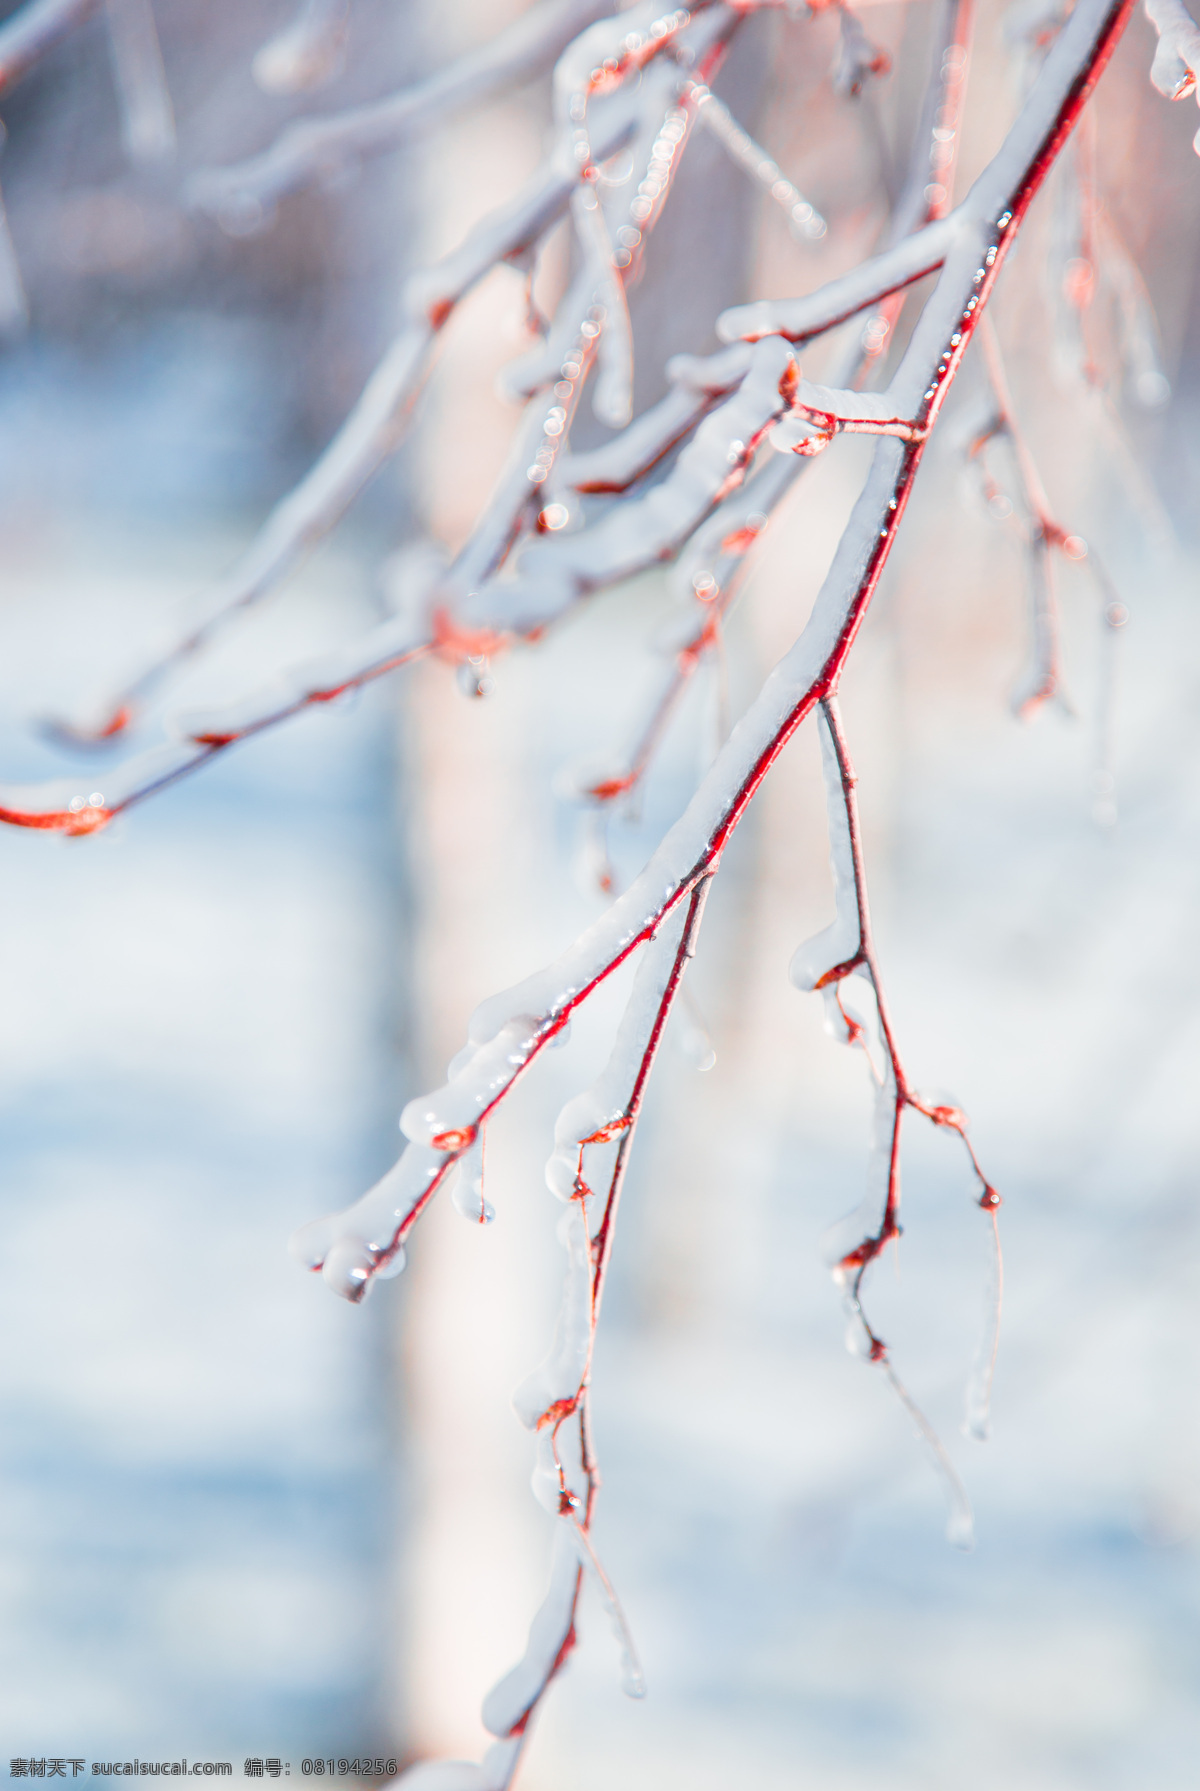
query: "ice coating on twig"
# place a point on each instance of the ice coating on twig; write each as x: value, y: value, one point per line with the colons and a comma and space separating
x: 1176, y: 62
x: 35, y: 28
x: 550, y: 1633
x: 88, y: 801
x: 352, y: 1249
x: 552, y: 573
x: 557, y: 1381
x: 309, y: 52
x: 595, y: 62
x: 924, y: 361
x: 447, y: 1118
x: 819, y: 413
x: 857, y: 1241
x: 147, y: 117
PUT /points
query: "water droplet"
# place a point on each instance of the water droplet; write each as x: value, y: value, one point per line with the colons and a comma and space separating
x: 696, y: 1046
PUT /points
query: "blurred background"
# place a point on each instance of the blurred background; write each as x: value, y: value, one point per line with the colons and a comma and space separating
x: 240, y: 1518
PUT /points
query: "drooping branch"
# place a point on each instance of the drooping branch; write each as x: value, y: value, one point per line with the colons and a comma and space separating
x: 847, y: 949
x: 554, y: 1401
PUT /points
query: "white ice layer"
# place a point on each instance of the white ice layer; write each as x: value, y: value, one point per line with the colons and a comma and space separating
x: 841, y: 940
x: 511, y: 1699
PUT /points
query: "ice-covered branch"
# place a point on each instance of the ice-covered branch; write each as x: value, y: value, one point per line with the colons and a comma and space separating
x: 800, y: 319
x: 508, y: 1031
x: 1176, y: 63
x: 317, y: 148
x: 805, y: 219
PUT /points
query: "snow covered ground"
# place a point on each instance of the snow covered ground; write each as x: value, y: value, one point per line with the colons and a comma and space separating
x: 198, y: 1052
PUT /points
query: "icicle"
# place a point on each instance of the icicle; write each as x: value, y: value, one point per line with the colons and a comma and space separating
x: 857, y: 58
x: 468, y: 1188
x: 612, y: 400
x: 841, y: 941
x: 147, y: 117
x: 960, y: 1519
x: 977, y: 1420
x: 805, y: 219
x: 633, y: 1680
x: 308, y: 53
x: 695, y: 1040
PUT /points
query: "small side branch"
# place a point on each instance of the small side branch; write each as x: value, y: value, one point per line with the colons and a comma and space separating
x: 849, y: 943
